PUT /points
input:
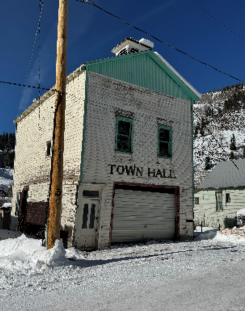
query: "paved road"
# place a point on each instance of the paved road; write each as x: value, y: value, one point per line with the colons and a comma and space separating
x: 182, y: 277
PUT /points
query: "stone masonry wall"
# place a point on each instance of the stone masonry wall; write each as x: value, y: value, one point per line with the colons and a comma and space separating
x: 32, y: 165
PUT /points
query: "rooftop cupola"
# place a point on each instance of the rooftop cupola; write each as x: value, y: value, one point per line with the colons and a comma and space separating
x: 130, y: 45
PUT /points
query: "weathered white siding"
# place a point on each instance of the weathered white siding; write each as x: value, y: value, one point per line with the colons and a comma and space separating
x: 32, y: 166
x: 206, y: 212
x: 108, y: 98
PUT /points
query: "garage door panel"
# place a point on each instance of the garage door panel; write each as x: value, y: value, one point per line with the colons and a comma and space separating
x: 159, y: 212
x: 125, y: 236
x: 142, y: 218
x: 142, y: 215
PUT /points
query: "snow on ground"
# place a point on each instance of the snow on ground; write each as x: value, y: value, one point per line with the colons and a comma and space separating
x: 124, y: 277
x: 241, y: 212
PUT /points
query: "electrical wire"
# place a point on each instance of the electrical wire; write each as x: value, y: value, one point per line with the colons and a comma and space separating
x: 169, y: 45
x: 41, y: 4
x: 217, y: 20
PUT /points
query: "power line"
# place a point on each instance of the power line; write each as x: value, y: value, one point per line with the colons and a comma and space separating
x: 30, y: 86
x: 217, y: 20
x: 169, y: 45
x: 36, y: 34
x: 38, y: 48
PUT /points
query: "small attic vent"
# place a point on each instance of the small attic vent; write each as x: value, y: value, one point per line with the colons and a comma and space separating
x: 125, y: 51
x: 130, y: 45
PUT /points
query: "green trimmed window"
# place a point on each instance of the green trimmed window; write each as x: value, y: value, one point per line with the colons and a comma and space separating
x: 164, y: 141
x: 124, y: 135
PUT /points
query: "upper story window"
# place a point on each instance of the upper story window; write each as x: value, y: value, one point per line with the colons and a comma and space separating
x: 124, y: 135
x: 227, y: 198
x: 164, y: 141
x: 48, y: 148
x: 196, y: 200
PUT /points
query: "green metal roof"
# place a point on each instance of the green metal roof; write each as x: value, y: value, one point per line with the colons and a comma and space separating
x: 144, y: 69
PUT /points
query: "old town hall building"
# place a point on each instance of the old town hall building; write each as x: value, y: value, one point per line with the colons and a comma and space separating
x: 128, y: 155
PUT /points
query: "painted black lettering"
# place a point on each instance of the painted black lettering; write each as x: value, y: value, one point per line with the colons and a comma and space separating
x: 130, y: 169
x: 159, y: 173
x: 140, y: 171
x: 122, y: 169
x: 164, y: 174
x: 151, y: 172
x: 111, y: 172
x: 172, y: 172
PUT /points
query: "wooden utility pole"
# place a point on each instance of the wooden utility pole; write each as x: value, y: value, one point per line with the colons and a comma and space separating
x: 55, y: 205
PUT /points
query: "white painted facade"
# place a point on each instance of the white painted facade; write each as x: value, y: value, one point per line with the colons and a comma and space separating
x: 106, y: 98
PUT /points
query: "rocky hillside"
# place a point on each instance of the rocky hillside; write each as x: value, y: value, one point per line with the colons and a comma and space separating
x: 219, y: 129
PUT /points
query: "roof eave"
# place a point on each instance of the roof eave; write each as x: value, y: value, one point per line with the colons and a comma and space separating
x: 47, y: 95
x: 196, y: 95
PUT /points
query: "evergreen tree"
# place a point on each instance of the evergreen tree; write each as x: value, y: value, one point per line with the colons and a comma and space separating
x: 207, y: 163
x: 233, y: 143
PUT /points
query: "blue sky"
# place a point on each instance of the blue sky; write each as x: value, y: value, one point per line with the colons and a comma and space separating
x: 92, y: 34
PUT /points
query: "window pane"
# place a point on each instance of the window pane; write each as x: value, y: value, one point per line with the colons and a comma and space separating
x: 164, y: 135
x: 92, y: 216
x: 48, y: 148
x: 85, y: 216
x: 163, y: 150
x: 89, y: 193
x: 123, y: 143
x: 124, y: 128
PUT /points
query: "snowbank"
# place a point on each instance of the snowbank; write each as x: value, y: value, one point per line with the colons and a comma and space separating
x: 241, y: 212
x: 216, y: 236
x: 24, y: 253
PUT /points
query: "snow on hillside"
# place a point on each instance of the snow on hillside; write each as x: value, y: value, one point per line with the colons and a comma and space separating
x: 222, y: 124
x: 6, y: 178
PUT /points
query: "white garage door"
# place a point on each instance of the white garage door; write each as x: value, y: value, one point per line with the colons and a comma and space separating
x: 142, y: 215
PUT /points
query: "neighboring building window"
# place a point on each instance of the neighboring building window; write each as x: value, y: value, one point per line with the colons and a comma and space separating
x: 124, y: 135
x: 219, y: 206
x: 164, y: 141
x: 196, y: 200
x: 48, y: 152
x: 228, y: 198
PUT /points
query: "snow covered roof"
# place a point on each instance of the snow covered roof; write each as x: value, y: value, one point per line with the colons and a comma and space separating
x: 225, y: 175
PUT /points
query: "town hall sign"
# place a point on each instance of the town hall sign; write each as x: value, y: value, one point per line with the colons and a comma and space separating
x: 139, y: 171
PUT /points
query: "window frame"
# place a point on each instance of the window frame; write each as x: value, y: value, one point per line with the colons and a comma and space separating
x: 47, y: 142
x: 227, y: 197
x: 221, y: 209
x: 131, y: 121
x: 160, y: 126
